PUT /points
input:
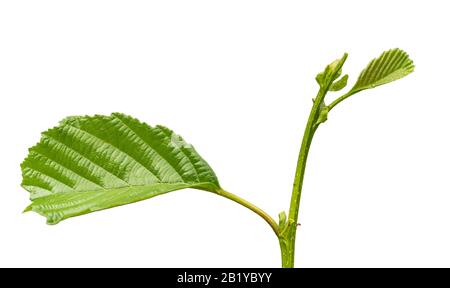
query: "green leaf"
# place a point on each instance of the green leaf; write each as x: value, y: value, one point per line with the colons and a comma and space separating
x: 323, y: 115
x: 332, y: 72
x: 282, y: 220
x: 339, y: 84
x: 390, y: 66
x: 88, y: 164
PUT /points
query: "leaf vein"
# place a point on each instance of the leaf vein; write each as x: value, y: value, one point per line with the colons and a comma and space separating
x: 185, y: 155
x: 69, y: 169
x: 149, y: 146
x: 116, y: 147
x: 49, y: 176
x: 86, y: 157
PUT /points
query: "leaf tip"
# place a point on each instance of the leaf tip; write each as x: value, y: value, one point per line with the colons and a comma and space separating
x: 344, y: 57
x: 52, y: 222
x: 28, y: 209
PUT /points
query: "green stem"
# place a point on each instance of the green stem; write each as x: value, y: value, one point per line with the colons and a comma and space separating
x: 286, y: 231
x: 318, y: 115
x: 340, y: 99
x: 287, y: 238
x: 252, y: 207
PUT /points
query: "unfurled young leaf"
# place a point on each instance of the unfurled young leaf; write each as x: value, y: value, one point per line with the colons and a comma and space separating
x: 92, y: 163
x: 339, y: 84
x: 331, y: 72
x: 390, y: 66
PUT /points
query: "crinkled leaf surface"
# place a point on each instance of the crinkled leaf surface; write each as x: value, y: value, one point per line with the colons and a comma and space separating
x: 88, y: 164
x: 390, y: 66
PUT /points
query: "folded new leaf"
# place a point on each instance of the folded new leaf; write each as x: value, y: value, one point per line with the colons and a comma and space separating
x: 339, y: 84
x: 88, y: 164
x: 332, y: 72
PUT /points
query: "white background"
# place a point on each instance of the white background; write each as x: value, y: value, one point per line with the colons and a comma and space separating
x: 236, y: 79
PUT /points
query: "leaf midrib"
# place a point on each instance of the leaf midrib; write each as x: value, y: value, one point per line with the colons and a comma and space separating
x: 186, y: 184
